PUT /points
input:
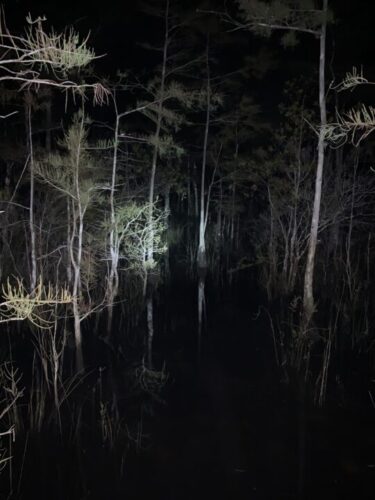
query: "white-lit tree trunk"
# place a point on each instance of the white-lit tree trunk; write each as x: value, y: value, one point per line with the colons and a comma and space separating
x: 155, y: 155
x: 114, y: 247
x: 151, y: 197
x: 202, y: 257
x: 308, y: 296
x: 117, y: 232
x: 281, y: 16
x: 76, y: 244
x: 203, y: 212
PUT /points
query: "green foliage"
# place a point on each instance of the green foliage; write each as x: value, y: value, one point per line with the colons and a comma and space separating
x: 57, y: 52
x: 21, y: 305
x: 135, y: 230
x: 61, y: 169
x: 38, y: 58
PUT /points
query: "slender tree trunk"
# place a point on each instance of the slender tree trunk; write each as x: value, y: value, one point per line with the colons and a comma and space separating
x: 203, y: 214
x: 77, y: 322
x: 150, y: 249
x: 76, y: 298
x: 112, y: 283
x: 308, y: 297
x: 151, y: 198
x: 202, y: 257
x: 76, y: 254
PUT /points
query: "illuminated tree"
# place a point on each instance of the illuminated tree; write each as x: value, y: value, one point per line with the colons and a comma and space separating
x: 357, y: 123
x: 293, y: 17
x: 25, y: 59
x: 163, y: 89
x: 72, y: 174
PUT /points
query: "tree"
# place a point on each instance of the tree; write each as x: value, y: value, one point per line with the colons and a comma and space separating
x: 118, y: 224
x: 72, y: 174
x: 286, y: 178
x: 203, y: 205
x: 163, y: 89
x: 297, y: 17
x: 357, y: 123
x: 25, y: 59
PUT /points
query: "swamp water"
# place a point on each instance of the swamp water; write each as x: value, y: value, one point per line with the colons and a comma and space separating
x: 224, y: 426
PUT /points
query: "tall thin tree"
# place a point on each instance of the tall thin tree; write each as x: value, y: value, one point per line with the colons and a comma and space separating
x: 297, y: 17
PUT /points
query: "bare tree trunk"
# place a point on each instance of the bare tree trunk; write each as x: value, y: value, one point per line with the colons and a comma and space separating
x: 202, y: 257
x: 150, y: 249
x: 76, y: 309
x: 76, y: 254
x: 308, y: 297
x: 150, y: 245
x: 112, y: 280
